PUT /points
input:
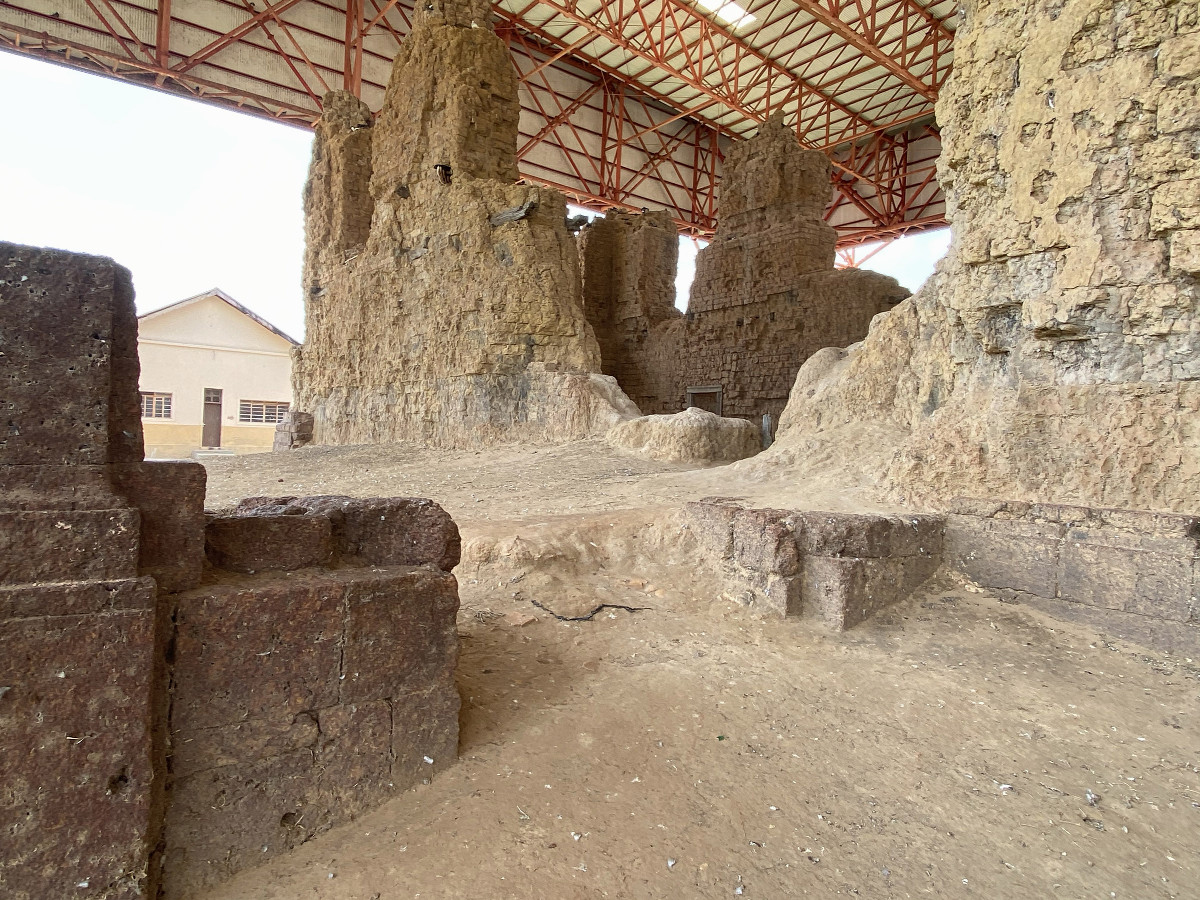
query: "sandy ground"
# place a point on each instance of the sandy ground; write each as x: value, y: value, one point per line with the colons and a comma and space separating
x: 955, y: 746
x: 525, y: 483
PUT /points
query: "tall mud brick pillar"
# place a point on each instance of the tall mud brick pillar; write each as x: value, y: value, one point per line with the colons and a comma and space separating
x: 76, y: 621
x: 443, y: 298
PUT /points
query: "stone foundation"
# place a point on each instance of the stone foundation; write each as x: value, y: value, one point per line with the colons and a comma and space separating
x: 1128, y: 573
x: 838, y: 569
x: 176, y: 695
x: 1132, y: 574
x: 304, y: 695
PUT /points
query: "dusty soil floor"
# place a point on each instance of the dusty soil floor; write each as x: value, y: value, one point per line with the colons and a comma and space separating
x: 955, y: 746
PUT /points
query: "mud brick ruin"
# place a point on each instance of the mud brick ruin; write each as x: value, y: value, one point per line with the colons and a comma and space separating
x: 765, y: 297
x: 1054, y: 352
x: 183, y: 695
x: 445, y: 302
x: 442, y: 296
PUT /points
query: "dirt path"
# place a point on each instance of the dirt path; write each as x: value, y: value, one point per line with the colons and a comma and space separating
x: 694, y: 750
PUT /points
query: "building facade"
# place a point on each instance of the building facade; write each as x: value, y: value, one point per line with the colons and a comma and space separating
x: 215, y: 377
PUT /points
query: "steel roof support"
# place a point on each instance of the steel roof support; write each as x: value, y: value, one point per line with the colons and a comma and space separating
x: 658, y: 141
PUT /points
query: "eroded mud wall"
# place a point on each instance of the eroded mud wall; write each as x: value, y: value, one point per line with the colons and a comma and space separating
x: 1056, y: 353
x: 765, y: 297
x: 454, y: 319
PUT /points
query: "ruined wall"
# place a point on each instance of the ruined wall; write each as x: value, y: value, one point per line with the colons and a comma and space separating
x: 1055, y: 353
x: 765, y: 297
x: 456, y: 320
x: 771, y: 228
x: 74, y: 613
x: 312, y: 676
x: 628, y: 264
x: 180, y: 698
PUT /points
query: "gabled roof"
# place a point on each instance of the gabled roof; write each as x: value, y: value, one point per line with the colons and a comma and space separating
x: 220, y: 295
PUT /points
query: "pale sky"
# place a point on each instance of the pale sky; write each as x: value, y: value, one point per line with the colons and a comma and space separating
x: 190, y: 197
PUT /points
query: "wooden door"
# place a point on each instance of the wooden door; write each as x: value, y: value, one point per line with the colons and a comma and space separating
x: 211, y: 436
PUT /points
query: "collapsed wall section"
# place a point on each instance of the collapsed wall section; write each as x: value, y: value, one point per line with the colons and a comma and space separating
x: 1055, y: 356
x: 765, y: 297
x: 456, y: 321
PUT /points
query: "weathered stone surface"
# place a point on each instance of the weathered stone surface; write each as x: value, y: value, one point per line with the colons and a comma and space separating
x: 435, y: 323
x: 693, y: 436
x: 75, y: 750
x: 712, y: 521
x: 69, y: 388
x: 391, y: 531
x: 765, y: 297
x: 765, y: 540
x: 200, y: 749
x: 68, y: 545
x: 301, y: 701
x: 169, y: 496
x: 1054, y: 355
x: 265, y: 543
x: 1131, y: 563
x: 400, y: 634
x: 424, y: 727
x: 75, y: 598
x: 869, y: 536
x: 264, y: 647
x: 843, y: 591
x: 837, y: 568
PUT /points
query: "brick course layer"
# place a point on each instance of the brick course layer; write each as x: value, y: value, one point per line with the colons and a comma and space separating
x: 765, y: 297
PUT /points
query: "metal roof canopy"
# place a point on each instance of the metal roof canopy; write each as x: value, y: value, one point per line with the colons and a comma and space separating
x: 624, y: 104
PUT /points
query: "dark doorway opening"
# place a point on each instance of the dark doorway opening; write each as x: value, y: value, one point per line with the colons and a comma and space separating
x: 211, y: 437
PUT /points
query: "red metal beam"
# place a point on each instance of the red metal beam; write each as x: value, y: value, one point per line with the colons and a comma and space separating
x: 653, y: 149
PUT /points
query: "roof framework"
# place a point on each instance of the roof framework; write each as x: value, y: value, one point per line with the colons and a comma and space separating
x: 624, y: 104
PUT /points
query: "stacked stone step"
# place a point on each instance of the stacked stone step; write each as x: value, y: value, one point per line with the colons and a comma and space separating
x: 313, y: 676
x: 294, y: 431
x: 179, y: 691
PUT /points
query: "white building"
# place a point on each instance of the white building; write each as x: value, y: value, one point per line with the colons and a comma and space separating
x: 214, y: 376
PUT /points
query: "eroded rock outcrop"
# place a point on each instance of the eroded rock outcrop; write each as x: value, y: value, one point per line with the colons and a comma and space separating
x: 1055, y: 355
x: 442, y: 297
x: 765, y: 297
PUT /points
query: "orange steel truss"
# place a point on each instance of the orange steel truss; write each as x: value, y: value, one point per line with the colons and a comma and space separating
x: 624, y: 104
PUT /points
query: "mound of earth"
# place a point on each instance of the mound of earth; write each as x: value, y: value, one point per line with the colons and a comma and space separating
x: 692, y: 436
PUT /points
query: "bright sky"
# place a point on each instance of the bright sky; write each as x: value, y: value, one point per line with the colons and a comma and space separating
x: 190, y: 197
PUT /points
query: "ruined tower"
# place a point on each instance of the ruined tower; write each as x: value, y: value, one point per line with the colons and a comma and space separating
x: 442, y: 297
x: 765, y: 297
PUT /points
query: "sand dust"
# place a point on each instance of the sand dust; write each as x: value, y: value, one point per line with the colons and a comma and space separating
x: 691, y: 749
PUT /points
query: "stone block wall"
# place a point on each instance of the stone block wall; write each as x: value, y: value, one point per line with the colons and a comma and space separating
x: 1135, y: 574
x: 76, y: 619
x: 1130, y: 573
x: 765, y: 297
x: 172, y: 697
x: 836, y: 568
x: 302, y: 694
